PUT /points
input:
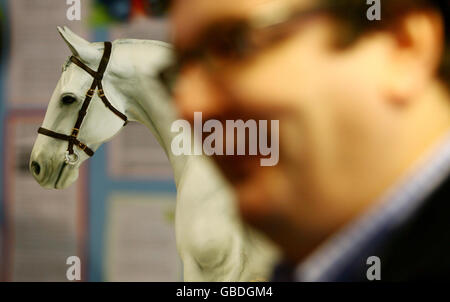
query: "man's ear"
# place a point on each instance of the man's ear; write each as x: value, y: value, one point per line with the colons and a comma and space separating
x: 79, y: 46
x: 417, y: 51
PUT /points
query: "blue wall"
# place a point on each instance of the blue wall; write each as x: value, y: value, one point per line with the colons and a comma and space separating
x: 3, y: 70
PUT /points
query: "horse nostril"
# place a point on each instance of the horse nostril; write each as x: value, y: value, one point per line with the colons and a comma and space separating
x: 36, y: 168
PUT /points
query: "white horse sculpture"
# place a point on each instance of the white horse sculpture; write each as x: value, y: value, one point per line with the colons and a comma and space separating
x: 212, y: 242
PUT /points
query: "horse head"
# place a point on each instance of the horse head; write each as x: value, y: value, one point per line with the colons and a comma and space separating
x: 53, y: 163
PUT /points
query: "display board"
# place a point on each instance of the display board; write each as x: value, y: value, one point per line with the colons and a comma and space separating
x: 45, y: 226
x: 141, y: 239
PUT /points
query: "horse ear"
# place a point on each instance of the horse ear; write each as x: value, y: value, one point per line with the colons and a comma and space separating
x: 79, y: 46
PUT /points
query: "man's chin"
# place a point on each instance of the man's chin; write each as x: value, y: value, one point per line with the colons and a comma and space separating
x: 261, y: 194
x: 254, y: 201
x: 238, y: 169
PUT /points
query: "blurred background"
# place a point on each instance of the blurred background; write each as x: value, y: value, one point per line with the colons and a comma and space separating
x: 118, y: 218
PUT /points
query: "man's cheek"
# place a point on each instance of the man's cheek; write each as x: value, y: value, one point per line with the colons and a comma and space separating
x: 261, y: 85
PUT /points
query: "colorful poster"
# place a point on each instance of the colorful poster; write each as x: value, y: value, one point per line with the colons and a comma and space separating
x: 44, y: 227
x: 141, y: 239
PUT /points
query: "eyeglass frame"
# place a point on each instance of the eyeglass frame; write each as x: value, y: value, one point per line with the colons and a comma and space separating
x: 284, y: 16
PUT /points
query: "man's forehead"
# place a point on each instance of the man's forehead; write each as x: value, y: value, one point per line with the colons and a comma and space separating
x: 189, y: 18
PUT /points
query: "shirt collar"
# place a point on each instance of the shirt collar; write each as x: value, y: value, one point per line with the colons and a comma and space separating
x: 397, y: 205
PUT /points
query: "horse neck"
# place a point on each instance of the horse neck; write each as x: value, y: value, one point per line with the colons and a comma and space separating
x: 148, y: 103
x: 159, y: 124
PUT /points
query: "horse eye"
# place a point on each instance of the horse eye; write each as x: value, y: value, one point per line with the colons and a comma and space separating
x: 68, y: 99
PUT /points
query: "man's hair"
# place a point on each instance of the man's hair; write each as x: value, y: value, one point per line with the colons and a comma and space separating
x: 353, y: 14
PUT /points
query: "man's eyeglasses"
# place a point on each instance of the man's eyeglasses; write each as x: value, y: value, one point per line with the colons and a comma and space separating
x: 230, y: 41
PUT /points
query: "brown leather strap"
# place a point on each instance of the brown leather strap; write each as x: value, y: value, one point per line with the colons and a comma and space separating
x: 104, y: 60
x: 80, y: 64
x: 98, y: 76
x: 81, y: 114
x: 69, y: 138
x: 101, y: 94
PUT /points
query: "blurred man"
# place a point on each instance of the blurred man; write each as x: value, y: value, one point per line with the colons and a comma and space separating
x: 364, y: 110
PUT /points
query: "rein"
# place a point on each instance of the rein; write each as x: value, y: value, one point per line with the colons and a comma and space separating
x: 71, y: 156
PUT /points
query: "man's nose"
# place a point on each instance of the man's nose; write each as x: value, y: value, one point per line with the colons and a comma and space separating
x: 196, y: 91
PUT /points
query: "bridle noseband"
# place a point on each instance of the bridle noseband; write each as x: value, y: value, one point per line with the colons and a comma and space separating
x: 72, y: 157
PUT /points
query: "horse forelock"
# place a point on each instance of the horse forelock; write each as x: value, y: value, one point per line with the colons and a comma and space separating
x: 66, y: 64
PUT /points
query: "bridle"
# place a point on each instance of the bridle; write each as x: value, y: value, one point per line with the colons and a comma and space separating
x: 71, y: 156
